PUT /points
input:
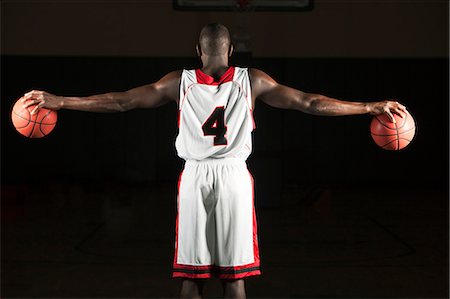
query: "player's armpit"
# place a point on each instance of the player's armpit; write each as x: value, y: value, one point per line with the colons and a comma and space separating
x: 155, y: 94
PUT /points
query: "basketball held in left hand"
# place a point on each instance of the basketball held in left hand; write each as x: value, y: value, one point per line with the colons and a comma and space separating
x: 35, y: 125
x: 393, y: 136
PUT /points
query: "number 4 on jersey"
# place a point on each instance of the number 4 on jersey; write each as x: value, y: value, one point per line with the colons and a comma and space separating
x: 215, y: 126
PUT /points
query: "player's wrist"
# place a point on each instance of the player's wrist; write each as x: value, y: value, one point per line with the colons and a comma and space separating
x: 369, y: 108
x: 62, y: 102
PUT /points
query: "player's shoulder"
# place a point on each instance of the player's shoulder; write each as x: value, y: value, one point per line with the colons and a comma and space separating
x: 260, y: 81
x: 169, y: 83
x: 257, y: 73
x: 258, y: 76
x: 174, y: 74
x: 170, y: 78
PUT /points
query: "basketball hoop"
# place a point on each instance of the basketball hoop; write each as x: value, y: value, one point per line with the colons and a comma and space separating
x: 242, y: 11
x: 243, y: 4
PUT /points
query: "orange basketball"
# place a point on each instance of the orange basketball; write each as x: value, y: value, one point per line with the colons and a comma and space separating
x: 33, y: 126
x: 393, y: 136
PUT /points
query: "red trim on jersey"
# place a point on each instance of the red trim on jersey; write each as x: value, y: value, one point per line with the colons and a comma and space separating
x: 255, y: 226
x: 180, y: 105
x: 208, y: 271
x: 253, y: 119
x: 249, y: 105
x: 176, y: 222
x: 203, y: 78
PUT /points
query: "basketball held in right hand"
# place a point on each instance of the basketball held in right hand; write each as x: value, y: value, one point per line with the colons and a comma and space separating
x: 41, y: 99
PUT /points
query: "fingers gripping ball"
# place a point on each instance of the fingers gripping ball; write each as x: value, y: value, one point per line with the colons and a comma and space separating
x: 37, y: 125
x: 393, y: 136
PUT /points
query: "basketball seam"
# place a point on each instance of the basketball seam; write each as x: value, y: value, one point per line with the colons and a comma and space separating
x: 32, y: 129
x: 40, y: 129
x: 395, y: 140
x: 404, y: 122
x: 29, y: 120
x: 398, y: 141
x: 393, y: 133
x: 42, y: 119
x: 386, y: 126
x: 24, y: 125
x: 382, y: 123
x: 34, y: 122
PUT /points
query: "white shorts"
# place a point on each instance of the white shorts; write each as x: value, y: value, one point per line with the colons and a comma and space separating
x: 216, y: 233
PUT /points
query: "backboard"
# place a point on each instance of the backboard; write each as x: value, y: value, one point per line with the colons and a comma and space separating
x: 236, y: 5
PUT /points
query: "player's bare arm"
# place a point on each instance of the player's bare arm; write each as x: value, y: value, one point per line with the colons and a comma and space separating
x: 147, y: 96
x: 269, y: 91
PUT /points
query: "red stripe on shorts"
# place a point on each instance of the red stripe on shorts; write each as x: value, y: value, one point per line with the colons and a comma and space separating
x: 208, y: 271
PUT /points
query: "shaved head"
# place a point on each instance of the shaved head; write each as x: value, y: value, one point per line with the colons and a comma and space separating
x: 214, y: 40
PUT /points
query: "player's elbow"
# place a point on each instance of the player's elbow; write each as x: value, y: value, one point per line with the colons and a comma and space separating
x: 122, y: 107
x: 304, y: 102
x: 124, y: 101
x: 313, y: 104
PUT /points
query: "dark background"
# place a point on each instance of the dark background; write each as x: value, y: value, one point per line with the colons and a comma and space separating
x: 139, y: 145
x: 89, y: 210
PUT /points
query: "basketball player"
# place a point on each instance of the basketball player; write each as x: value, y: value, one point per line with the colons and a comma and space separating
x: 216, y: 233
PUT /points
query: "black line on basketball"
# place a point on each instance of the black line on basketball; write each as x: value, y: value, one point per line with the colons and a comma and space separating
x: 29, y: 113
x: 42, y: 119
x: 413, y: 128
x: 401, y: 133
x: 386, y: 126
x: 40, y: 129
x: 398, y: 142
x: 409, y: 140
x: 22, y: 118
x: 22, y: 126
x: 388, y: 143
x: 32, y: 129
x: 30, y: 121
x: 404, y: 122
x: 383, y: 123
x: 393, y: 134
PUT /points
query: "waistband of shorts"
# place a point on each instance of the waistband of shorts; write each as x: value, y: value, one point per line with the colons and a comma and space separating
x: 220, y: 161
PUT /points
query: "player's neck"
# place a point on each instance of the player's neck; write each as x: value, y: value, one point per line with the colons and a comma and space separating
x: 215, y: 65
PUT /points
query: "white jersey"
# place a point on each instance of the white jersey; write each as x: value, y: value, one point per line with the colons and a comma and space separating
x: 215, y: 117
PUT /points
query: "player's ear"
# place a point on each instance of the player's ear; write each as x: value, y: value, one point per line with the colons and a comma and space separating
x: 230, y: 50
x: 198, y: 50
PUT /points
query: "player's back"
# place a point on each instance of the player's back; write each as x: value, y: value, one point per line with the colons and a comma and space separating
x: 215, y: 116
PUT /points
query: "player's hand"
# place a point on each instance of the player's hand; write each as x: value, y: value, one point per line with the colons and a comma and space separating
x: 41, y: 99
x: 389, y: 107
